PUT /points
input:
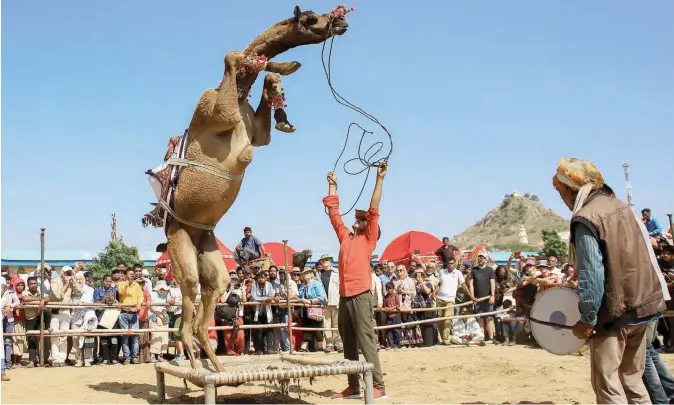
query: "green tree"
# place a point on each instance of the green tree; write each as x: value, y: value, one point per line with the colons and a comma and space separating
x: 534, y: 197
x: 116, y: 252
x: 553, y: 245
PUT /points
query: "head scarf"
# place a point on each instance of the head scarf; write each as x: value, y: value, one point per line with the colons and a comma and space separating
x: 581, y: 176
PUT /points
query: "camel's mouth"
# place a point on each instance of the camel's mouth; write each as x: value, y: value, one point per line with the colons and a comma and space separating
x: 339, y: 27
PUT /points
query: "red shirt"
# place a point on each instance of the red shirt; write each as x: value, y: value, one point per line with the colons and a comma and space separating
x: 144, y: 313
x: 355, y: 251
x: 390, y: 302
x: 212, y: 334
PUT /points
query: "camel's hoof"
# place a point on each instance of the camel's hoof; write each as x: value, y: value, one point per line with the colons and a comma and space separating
x: 284, y: 127
x: 283, y: 68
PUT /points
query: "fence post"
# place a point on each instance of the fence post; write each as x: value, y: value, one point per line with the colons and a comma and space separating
x: 41, y: 351
x: 289, y: 308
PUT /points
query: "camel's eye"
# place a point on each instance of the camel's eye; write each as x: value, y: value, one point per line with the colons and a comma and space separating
x: 312, y: 19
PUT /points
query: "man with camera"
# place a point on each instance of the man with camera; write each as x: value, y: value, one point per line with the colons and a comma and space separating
x: 60, y: 293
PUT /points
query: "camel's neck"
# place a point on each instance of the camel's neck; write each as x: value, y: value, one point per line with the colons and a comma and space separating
x: 274, y: 41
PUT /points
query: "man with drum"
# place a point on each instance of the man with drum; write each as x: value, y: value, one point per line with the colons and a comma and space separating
x: 619, y: 287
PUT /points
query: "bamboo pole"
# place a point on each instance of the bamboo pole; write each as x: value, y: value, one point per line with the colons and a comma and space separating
x: 290, y: 308
x: 290, y: 304
x: 195, y: 376
x: 414, y: 323
x: 41, y: 351
x: 152, y: 303
x: 307, y: 361
x: 117, y: 332
x: 238, y: 377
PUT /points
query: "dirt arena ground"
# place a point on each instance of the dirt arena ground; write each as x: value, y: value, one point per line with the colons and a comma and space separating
x: 490, y: 374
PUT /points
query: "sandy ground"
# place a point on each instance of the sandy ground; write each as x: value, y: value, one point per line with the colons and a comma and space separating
x: 490, y: 374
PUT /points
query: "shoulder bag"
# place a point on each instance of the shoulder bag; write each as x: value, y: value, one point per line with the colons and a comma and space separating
x: 315, y: 314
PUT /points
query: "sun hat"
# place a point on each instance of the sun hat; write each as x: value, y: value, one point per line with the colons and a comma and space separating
x: 161, y: 285
x: 326, y: 256
x: 542, y: 263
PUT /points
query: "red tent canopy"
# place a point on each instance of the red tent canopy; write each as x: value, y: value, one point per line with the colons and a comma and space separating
x: 401, y: 248
x: 227, y: 256
x: 275, y: 250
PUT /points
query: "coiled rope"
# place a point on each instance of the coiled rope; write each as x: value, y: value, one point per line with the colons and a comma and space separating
x: 366, y: 159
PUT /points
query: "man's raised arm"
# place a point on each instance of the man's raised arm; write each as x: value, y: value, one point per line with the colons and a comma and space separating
x: 331, y: 202
x: 376, y: 194
x: 372, y: 216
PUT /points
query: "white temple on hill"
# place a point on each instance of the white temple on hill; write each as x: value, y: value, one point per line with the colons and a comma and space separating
x: 522, y: 235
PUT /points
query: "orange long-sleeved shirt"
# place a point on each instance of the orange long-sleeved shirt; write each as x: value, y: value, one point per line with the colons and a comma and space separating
x: 355, y: 251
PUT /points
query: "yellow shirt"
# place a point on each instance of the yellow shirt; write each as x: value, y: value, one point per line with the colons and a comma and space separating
x: 129, y: 294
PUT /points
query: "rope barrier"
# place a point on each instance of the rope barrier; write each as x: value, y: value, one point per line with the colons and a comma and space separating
x: 118, y: 332
x: 250, y: 303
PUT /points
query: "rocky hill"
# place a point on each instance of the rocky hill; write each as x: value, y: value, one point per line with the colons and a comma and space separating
x: 517, y: 221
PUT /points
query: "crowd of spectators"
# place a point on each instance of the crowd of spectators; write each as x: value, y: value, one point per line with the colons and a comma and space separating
x: 494, y: 303
x: 153, y: 303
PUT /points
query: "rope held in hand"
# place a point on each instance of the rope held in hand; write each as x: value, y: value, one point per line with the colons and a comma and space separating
x: 367, y: 158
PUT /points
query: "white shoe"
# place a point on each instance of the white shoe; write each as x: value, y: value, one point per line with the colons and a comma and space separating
x: 78, y: 364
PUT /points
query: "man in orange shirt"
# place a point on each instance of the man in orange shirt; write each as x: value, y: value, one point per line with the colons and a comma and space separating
x: 355, y: 282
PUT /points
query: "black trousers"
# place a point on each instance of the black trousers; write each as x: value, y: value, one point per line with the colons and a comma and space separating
x: 428, y: 331
x: 260, y: 336
x: 34, y: 341
x: 109, y: 348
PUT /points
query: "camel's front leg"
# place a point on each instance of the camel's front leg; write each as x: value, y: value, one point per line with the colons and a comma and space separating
x: 272, y: 99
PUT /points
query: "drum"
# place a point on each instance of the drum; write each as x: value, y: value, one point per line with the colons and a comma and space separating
x: 560, y: 306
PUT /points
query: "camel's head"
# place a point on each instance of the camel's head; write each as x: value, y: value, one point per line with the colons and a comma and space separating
x: 311, y: 28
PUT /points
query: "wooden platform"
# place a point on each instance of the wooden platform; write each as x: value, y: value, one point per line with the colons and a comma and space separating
x: 273, y: 368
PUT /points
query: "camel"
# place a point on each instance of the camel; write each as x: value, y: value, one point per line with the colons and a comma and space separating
x: 219, y: 147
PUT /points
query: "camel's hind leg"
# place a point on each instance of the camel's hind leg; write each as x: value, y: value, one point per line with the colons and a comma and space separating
x: 214, y: 279
x: 183, y: 255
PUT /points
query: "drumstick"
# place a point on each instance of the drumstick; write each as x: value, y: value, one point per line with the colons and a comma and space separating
x: 553, y: 324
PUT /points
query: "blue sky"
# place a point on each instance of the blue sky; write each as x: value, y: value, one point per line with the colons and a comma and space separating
x: 481, y: 97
